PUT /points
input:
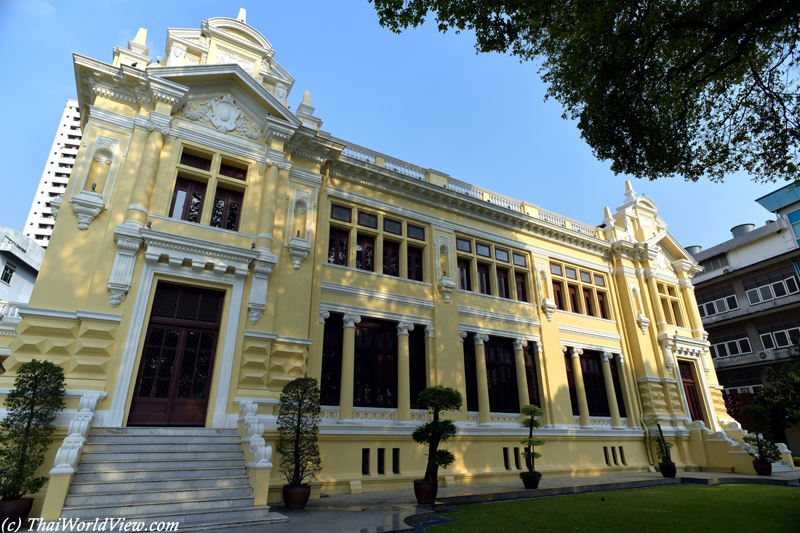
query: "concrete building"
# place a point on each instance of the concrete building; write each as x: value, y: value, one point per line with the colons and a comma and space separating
x: 20, y: 260
x: 238, y: 246
x: 749, y: 298
x: 57, y: 169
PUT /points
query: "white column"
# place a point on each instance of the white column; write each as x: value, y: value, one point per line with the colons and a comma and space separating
x: 616, y: 422
x: 522, y: 378
x: 348, y: 366
x: 484, y: 409
x: 580, y: 387
x: 403, y: 372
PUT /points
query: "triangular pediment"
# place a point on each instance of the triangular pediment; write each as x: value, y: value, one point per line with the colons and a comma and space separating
x: 670, y: 246
x: 213, y: 81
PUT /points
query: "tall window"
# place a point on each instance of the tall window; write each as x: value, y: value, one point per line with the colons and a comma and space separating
x: 585, y: 291
x: 507, y: 268
x: 417, y: 365
x: 365, y: 253
x: 595, y: 384
x: 391, y: 258
x: 670, y: 304
x: 522, y: 293
x: 502, y: 375
x: 502, y: 283
x: 530, y: 374
x: 483, y: 279
x: 375, y: 375
x: 465, y: 283
x: 470, y: 373
x: 573, y: 392
x: 337, y: 247
x: 331, y: 378
x: 414, y: 263
x: 558, y: 296
x: 227, y: 209
x: 187, y: 200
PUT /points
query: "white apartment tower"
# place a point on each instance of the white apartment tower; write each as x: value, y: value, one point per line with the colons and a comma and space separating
x: 55, y: 175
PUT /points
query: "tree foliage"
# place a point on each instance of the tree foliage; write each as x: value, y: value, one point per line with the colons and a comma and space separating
x: 33, y: 403
x: 660, y: 88
x: 534, y: 414
x: 756, y: 421
x: 298, y: 417
x: 781, y: 397
x: 437, y: 400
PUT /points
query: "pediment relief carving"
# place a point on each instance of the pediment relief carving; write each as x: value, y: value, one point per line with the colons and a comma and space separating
x: 223, y: 114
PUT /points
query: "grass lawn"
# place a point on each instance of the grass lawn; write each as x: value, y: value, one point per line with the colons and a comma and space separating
x: 727, y: 508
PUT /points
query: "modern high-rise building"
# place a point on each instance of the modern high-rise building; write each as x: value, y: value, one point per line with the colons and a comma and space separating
x: 57, y: 169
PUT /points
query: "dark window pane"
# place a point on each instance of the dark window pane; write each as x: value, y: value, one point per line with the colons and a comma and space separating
x: 196, y: 161
x: 368, y: 220
x: 465, y: 283
x: 391, y: 258
x: 502, y: 283
x: 522, y: 293
x: 337, y: 247
x: 340, y: 213
x: 415, y: 232
x: 501, y: 255
x: 520, y: 260
x: 232, y: 172
x: 365, y: 253
x: 415, y: 263
x: 392, y: 226
x: 483, y: 279
x: 483, y: 249
x: 464, y: 245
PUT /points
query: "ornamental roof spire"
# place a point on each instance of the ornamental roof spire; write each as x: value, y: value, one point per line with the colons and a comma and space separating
x: 242, y: 15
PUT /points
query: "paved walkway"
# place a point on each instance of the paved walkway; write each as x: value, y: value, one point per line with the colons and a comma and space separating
x: 384, y: 511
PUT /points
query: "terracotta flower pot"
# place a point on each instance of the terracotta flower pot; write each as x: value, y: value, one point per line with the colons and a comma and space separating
x: 425, y: 491
x: 668, y: 470
x: 296, y: 496
x: 762, y: 469
x: 15, y: 511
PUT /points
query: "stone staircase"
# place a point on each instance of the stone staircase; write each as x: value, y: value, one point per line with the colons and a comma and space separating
x: 194, y: 476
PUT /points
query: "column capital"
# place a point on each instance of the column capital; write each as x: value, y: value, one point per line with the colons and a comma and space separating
x: 480, y: 338
x: 520, y: 343
x: 573, y: 351
x: 606, y: 356
x: 350, y: 321
x: 536, y: 347
x: 462, y: 335
x: 404, y: 327
x: 323, y: 316
x: 429, y: 334
x: 620, y: 359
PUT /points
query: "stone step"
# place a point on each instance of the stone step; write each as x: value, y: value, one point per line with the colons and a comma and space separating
x: 211, y: 446
x: 163, y: 431
x: 171, y: 455
x: 107, y: 497
x: 161, y: 464
x: 94, y: 487
x: 162, y: 439
x: 135, y: 510
x: 151, y: 475
x: 780, y: 467
x: 211, y: 520
x: 273, y: 518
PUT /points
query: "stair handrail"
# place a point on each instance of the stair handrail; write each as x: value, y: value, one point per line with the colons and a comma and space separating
x: 262, y: 454
x: 67, y: 456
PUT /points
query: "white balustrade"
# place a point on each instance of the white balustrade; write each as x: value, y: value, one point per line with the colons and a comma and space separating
x: 508, y: 203
x: 262, y: 454
x: 505, y: 418
x: 583, y: 228
x: 69, y: 452
x: 464, y: 188
x: 552, y: 218
x: 359, y: 153
x: 406, y: 169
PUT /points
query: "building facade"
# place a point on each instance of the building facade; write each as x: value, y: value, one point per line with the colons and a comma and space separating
x: 212, y: 246
x: 20, y: 260
x: 55, y: 176
x: 749, y: 298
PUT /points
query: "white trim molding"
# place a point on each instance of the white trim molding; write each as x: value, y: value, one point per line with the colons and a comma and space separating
x: 374, y: 313
x: 591, y: 333
x: 360, y: 293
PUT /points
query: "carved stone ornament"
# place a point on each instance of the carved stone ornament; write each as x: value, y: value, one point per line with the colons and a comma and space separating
x: 301, y: 201
x: 66, y: 461
x: 350, y: 320
x: 444, y: 246
x: 323, y: 316
x: 129, y: 240
x: 404, y: 327
x: 225, y: 57
x: 463, y: 335
x: 55, y: 205
x: 447, y: 287
x: 262, y: 267
x: 480, y: 338
x: 280, y: 163
x: 549, y: 307
x: 299, y: 250
x: 280, y: 93
x: 519, y: 344
x: 87, y: 205
x: 643, y: 322
x: 223, y: 114
x: 105, y: 148
x: 429, y: 332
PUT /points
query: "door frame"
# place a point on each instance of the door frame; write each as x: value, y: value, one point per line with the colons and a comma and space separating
x: 152, y: 272
x: 702, y: 396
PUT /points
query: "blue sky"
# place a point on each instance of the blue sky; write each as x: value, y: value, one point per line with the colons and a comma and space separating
x: 423, y: 97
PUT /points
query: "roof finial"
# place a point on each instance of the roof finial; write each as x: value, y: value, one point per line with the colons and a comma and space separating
x: 141, y: 36
x: 630, y: 194
x: 307, y: 97
x: 607, y: 212
x: 242, y: 15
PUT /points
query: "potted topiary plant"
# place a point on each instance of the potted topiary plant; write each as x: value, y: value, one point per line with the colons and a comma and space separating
x: 298, y: 416
x: 33, y: 403
x: 436, y: 400
x: 666, y: 465
x: 763, y: 449
x: 531, y: 477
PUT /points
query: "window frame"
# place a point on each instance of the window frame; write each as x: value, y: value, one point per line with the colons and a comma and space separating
x: 9, y: 269
x: 408, y: 232
x: 366, y: 213
x: 399, y: 222
x: 349, y: 213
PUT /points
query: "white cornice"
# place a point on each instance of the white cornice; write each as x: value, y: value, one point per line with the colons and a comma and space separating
x: 110, y: 118
x: 305, y: 176
x: 70, y: 393
x: 498, y: 332
x: 185, y: 129
x: 179, y: 248
x: 590, y: 346
x: 587, y: 317
x: 364, y: 313
x: 375, y: 296
x: 483, y: 314
x: 592, y: 333
x: 376, y: 274
x: 212, y: 229
x: 40, y: 312
x: 260, y: 335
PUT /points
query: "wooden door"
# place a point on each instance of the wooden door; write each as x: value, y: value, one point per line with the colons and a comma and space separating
x: 174, y: 377
x: 689, y: 387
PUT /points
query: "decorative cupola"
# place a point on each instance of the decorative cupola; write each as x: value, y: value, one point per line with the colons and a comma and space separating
x: 136, y: 54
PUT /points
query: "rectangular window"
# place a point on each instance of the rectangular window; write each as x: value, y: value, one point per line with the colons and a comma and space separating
x: 8, y: 272
x: 381, y: 457
x: 571, y: 273
x: 392, y: 226
x: 483, y: 249
x: 231, y: 171
x: 601, y: 305
x: 415, y: 232
x: 587, y: 302
x: 187, y: 200
x: 558, y: 297
x: 463, y: 245
x: 414, y: 263
x: 340, y: 213
x: 502, y: 283
x: 573, y: 299
x: 196, y: 161
x: 520, y: 260
x: 600, y: 281
x: 465, y: 283
x: 337, y: 247
x: 395, y: 460
x: 505, y: 459
x: 365, y: 253
x: 368, y: 220
x: 586, y: 277
x: 501, y: 255
x: 522, y: 293
x: 516, y: 458
x: 483, y: 279
x: 227, y: 209
x: 676, y: 312
x: 365, y: 461
x: 555, y: 269
x: 391, y: 258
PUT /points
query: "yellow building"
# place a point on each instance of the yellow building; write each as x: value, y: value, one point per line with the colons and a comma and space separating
x: 212, y: 246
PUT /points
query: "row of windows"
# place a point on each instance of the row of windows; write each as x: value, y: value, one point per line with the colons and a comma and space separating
x: 717, y: 301
x: 731, y: 342
x: 579, y: 291
x: 394, y: 248
x: 778, y: 333
x: 767, y: 287
x: 365, y: 463
x: 495, y: 273
x: 715, y: 262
